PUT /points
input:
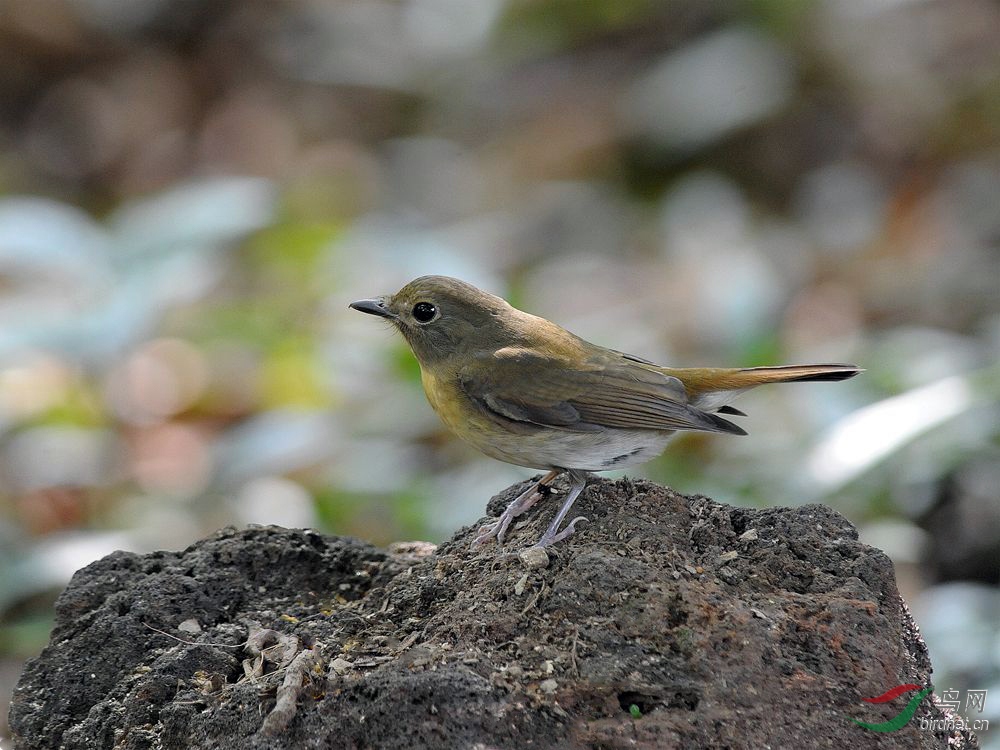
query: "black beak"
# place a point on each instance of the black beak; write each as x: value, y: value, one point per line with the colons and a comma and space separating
x: 373, y: 307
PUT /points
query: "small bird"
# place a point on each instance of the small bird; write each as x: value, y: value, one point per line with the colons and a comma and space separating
x: 523, y: 390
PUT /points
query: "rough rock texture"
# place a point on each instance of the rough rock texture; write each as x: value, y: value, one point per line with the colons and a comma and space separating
x: 667, y: 621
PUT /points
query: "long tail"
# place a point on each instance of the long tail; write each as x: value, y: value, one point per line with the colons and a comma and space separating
x: 701, y: 382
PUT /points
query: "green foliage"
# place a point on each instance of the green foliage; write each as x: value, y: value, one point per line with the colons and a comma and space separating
x: 26, y: 636
x: 292, y: 376
x: 563, y: 23
x: 404, y: 364
x: 292, y: 253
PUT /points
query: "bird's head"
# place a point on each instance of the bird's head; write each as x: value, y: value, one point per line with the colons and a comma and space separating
x: 440, y: 316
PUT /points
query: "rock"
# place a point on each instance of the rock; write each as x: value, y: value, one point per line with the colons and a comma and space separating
x: 340, y: 665
x: 644, y: 630
x: 534, y: 558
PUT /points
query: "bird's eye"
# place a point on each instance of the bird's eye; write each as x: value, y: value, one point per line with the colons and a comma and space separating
x: 424, y: 312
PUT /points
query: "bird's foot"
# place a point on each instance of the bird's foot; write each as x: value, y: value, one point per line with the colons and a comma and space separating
x: 551, y: 538
x: 496, y: 530
x: 578, y: 480
x: 523, y: 502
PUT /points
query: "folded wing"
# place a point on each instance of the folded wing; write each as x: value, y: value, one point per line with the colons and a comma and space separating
x: 518, y: 387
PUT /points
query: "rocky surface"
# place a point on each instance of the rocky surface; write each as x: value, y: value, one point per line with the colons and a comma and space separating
x: 666, y: 621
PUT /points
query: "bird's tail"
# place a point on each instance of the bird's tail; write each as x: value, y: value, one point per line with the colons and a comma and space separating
x: 701, y: 383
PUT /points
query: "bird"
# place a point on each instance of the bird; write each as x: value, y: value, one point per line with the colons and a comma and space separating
x: 524, y: 390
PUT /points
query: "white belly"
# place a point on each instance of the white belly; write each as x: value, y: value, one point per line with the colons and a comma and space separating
x: 589, y: 451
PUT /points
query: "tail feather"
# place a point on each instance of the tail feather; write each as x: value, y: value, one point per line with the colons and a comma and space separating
x: 800, y: 373
x: 705, y: 386
x: 727, y: 409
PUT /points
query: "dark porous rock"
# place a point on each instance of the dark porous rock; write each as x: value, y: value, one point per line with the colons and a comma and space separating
x: 665, y: 621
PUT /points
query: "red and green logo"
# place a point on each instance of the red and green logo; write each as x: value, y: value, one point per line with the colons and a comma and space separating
x: 899, y: 720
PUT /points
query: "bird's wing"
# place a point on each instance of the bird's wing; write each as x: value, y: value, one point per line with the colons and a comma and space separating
x: 606, y: 391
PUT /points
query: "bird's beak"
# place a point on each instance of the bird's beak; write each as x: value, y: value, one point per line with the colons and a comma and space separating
x: 373, y: 307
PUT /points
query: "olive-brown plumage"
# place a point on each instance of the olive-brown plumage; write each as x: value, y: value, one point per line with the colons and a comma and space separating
x: 524, y: 390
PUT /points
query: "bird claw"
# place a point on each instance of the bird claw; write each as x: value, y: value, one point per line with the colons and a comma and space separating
x: 485, y: 534
x: 546, y: 540
x: 496, y: 530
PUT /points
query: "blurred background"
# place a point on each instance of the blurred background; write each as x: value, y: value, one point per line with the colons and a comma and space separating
x: 191, y: 192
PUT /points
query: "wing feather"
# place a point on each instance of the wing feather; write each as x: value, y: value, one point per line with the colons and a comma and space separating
x: 610, y: 391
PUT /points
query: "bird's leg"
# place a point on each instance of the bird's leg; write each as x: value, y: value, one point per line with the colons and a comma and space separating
x: 552, y: 534
x: 519, y: 505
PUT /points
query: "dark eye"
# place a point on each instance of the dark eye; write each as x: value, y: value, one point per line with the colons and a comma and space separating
x: 424, y: 312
